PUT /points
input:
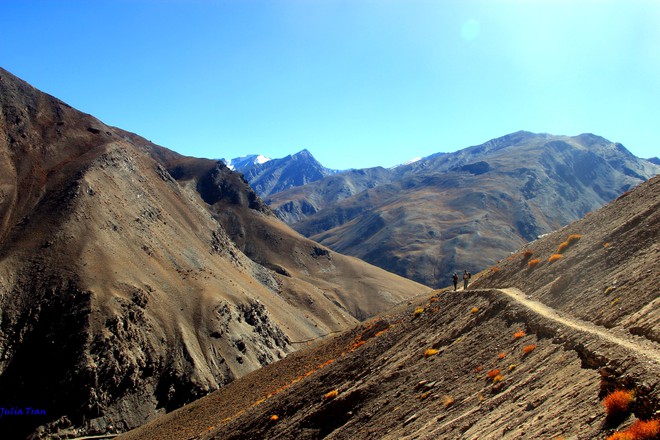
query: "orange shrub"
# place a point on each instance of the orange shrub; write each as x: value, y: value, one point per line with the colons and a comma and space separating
x: 430, y: 352
x: 554, y: 257
x: 498, y: 378
x: 621, y: 435
x: 645, y: 430
x: 519, y: 334
x: 493, y: 373
x: 479, y: 368
x: 418, y: 311
x: 474, y: 310
x: 527, y: 349
x: 527, y: 254
x: 573, y: 238
x: 562, y: 247
x: 332, y: 394
x: 533, y: 263
x: 494, y: 269
x: 501, y: 355
x: 447, y: 401
x: 618, y: 402
x: 274, y: 418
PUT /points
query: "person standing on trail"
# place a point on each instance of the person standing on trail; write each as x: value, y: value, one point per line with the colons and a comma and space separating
x: 466, y: 279
x: 455, y: 280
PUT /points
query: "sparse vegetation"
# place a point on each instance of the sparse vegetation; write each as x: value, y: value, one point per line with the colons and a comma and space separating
x: 519, y: 334
x: 571, y: 239
x: 554, y: 257
x: 474, y: 310
x: 493, y: 373
x: 527, y: 349
x: 501, y: 355
x: 430, y: 352
x: 618, y: 402
x: 512, y: 367
x: 331, y: 394
x: 640, y: 430
x: 609, y: 289
x: 418, y: 312
x: 498, y: 378
x: 447, y: 401
x: 533, y: 263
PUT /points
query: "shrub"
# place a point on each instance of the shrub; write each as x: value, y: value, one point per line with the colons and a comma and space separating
x: 554, y: 257
x: 533, y: 263
x: 609, y: 290
x: 618, y: 402
x: 571, y: 239
x: 430, y: 352
x: 527, y: 349
x: 331, y: 395
x: 527, y: 254
x: 274, y: 418
x: 501, y: 355
x: 494, y: 269
x: 447, y: 401
x: 474, y: 310
x: 479, y: 368
x: 519, y: 334
x: 645, y: 430
x: 493, y: 373
x: 512, y: 367
x: 621, y: 435
x: 498, y: 378
x: 418, y: 311
x: 606, y: 244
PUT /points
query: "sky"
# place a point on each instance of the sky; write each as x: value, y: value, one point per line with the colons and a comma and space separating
x: 358, y: 83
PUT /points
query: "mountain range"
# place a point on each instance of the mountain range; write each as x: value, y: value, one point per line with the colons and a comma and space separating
x: 454, y: 211
x: 134, y: 279
x: 558, y: 341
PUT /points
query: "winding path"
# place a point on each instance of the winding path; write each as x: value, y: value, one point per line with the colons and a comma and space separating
x: 645, y: 349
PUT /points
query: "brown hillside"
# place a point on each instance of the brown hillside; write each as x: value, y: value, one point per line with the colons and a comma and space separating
x: 428, y: 370
x: 143, y: 279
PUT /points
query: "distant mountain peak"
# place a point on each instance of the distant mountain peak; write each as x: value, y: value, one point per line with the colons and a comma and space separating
x: 242, y: 162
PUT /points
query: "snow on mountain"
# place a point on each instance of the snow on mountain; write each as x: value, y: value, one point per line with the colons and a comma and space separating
x: 240, y: 163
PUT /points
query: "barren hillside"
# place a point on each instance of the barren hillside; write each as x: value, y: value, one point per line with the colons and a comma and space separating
x: 143, y: 279
x: 519, y: 355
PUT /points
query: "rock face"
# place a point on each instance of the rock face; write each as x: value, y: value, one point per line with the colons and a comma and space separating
x: 134, y: 280
x: 463, y: 210
x: 522, y: 354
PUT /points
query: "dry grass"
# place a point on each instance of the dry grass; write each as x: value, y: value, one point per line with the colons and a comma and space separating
x: 640, y: 430
x: 331, y: 395
x: 645, y: 430
x: 519, y: 334
x: 430, y: 352
x: 498, y: 378
x: 609, y: 289
x: 493, y: 373
x: 418, y: 311
x: 527, y: 349
x: 618, y: 402
x: 554, y: 257
x: 512, y: 367
x: 533, y: 263
x: 571, y: 239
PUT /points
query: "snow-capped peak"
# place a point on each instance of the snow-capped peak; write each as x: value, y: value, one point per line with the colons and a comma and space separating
x: 242, y: 162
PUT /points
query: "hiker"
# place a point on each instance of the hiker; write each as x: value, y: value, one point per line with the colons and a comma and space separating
x: 455, y: 280
x: 466, y: 278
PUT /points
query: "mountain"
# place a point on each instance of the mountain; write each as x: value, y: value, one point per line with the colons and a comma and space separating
x: 530, y: 351
x: 244, y: 162
x: 462, y: 210
x: 276, y: 175
x: 134, y: 280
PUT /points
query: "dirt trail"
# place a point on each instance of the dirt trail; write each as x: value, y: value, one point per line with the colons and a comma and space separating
x: 644, y: 349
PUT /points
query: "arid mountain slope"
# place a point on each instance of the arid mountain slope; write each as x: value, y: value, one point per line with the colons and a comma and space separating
x: 133, y: 279
x: 487, y: 363
x: 464, y: 210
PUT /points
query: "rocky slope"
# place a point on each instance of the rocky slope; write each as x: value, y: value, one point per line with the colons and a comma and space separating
x: 134, y: 280
x: 462, y: 210
x: 531, y: 360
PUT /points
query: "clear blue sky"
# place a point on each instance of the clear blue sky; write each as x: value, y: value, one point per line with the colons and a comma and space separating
x: 359, y: 83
